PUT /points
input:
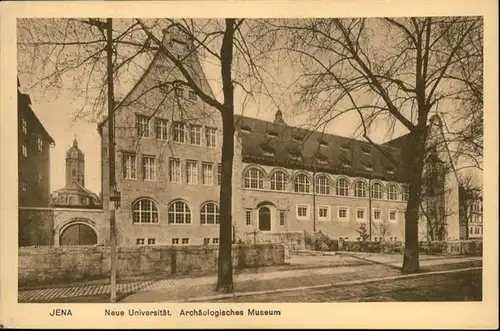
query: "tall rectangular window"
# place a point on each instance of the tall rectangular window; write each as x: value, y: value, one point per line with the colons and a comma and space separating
x: 139, y: 241
x: 179, y: 92
x: 148, y: 168
x: 208, y: 174
x: 175, y: 170
x: 248, y: 216
x: 192, y: 95
x: 24, y: 150
x: 151, y: 241
x: 179, y: 132
x: 195, y: 134
x: 161, y: 128
x: 219, y: 174
x: 192, y: 172
x: 142, y: 125
x: 393, y: 216
x: 24, y: 186
x: 175, y: 241
x: 210, y: 137
x: 129, y: 166
x: 377, y: 214
x: 24, y: 125
x: 39, y: 144
x: 360, y: 214
x: 185, y: 241
x: 282, y: 218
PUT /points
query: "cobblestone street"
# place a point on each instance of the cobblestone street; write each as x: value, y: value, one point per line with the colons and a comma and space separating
x: 457, y: 286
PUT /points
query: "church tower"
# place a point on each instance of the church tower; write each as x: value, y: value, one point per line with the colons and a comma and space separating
x: 75, y: 165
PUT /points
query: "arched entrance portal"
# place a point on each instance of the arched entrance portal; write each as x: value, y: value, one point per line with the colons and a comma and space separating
x: 264, y: 219
x: 78, y: 234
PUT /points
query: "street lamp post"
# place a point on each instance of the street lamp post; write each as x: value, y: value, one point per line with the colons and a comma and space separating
x: 370, y: 207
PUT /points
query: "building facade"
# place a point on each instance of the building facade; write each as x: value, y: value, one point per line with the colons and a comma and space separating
x: 471, y: 214
x: 285, y: 179
x: 34, y: 143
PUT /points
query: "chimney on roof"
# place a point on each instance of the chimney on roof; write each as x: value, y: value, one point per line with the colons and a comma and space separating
x: 278, y: 117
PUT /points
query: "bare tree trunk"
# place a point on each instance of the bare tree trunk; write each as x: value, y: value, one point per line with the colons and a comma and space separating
x: 415, y: 154
x: 225, y: 266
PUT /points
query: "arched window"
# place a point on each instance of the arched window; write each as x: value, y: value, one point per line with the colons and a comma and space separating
x: 209, y: 213
x: 322, y: 185
x: 342, y: 187
x: 278, y: 181
x: 406, y: 193
x: 360, y: 189
x: 254, y: 178
x: 376, y: 191
x: 392, y: 192
x: 301, y: 184
x: 144, y: 211
x: 179, y: 213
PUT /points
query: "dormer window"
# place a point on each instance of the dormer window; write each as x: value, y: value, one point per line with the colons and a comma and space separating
x: 272, y: 133
x: 365, y: 150
x: 345, y: 147
x: 244, y: 127
x: 298, y: 138
x: 268, y: 150
x: 321, y: 158
x: 323, y: 143
x: 295, y: 154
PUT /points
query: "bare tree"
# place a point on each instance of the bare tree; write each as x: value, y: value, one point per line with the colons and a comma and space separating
x: 392, y: 72
x: 69, y: 54
x: 382, y: 228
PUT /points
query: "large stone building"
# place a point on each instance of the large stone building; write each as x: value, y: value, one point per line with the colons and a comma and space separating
x: 34, y: 143
x: 285, y: 179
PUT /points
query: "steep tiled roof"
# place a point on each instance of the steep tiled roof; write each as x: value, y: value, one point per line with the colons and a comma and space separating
x: 278, y: 144
x: 24, y: 104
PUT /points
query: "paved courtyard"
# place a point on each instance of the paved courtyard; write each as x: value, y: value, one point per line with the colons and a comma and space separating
x: 299, y: 271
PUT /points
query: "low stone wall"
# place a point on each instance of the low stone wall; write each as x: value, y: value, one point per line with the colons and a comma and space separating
x: 292, y: 241
x: 44, y: 265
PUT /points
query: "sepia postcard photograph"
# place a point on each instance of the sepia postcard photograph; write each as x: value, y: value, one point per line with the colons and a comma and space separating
x: 215, y: 165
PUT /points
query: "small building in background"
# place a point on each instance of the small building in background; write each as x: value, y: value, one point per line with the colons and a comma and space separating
x: 471, y: 213
x: 74, y: 194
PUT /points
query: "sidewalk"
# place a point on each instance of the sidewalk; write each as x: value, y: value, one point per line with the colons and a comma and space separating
x: 302, y: 271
